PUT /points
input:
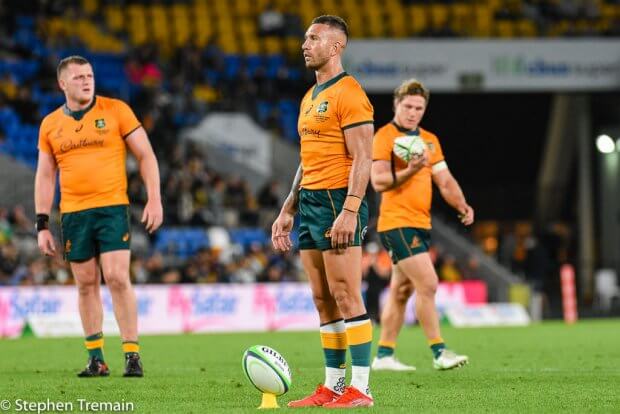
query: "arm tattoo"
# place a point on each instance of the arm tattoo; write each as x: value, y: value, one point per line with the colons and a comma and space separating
x: 293, y: 196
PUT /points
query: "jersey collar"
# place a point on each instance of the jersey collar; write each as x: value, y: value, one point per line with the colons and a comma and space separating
x: 405, y: 130
x: 78, y: 115
x: 320, y: 88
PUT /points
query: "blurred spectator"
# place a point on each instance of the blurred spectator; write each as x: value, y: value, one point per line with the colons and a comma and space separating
x: 507, y: 247
x: 59, y: 272
x: 471, y: 269
x: 6, y: 232
x: 142, y: 68
x: 236, y: 194
x: 217, y: 195
x: 8, y: 88
x: 537, y: 263
x: 138, y: 271
x: 9, y: 262
x: 25, y: 106
x: 189, y: 62
x: 239, y: 198
x: 448, y: 271
x: 293, y: 25
x: 213, y: 56
x: 269, y: 195
x: 205, y: 267
x: 376, y: 271
x: 20, y: 222
x: 274, y: 273
x: 171, y: 276
x: 270, y: 21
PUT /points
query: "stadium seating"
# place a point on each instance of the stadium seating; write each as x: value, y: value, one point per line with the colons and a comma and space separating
x: 107, y: 31
x: 185, y: 242
x: 235, y: 21
x: 181, y: 242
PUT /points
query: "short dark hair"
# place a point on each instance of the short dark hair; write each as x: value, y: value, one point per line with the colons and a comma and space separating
x: 78, y: 60
x: 332, y: 21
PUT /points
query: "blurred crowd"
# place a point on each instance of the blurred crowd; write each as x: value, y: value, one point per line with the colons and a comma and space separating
x: 22, y: 264
x: 546, y: 13
x: 170, y: 92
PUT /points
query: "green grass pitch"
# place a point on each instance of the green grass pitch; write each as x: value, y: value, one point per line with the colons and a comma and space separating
x: 547, y: 367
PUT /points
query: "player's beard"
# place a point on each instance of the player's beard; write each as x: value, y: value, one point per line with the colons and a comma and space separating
x: 316, y: 63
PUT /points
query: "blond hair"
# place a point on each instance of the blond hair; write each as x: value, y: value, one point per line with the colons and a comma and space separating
x: 411, y: 87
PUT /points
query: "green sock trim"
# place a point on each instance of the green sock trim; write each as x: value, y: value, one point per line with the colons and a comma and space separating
x: 95, y: 352
x: 385, y: 351
x: 438, y: 349
x: 94, y: 337
x: 335, y: 358
x: 360, y: 354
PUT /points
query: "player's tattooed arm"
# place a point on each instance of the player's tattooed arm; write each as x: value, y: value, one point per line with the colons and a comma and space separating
x: 283, y: 225
x: 291, y: 203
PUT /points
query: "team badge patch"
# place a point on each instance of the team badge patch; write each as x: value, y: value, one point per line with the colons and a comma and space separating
x: 322, y: 108
x: 100, y: 123
x: 415, y: 243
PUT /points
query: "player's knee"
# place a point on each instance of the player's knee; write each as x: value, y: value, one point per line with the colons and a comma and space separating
x: 324, y: 305
x: 87, y: 283
x: 87, y: 289
x: 403, y: 293
x: 427, y: 289
x: 117, y: 281
x: 320, y: 301
x: 344, y: 298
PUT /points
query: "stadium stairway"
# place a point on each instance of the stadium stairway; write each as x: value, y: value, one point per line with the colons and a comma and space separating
x: 498, y: 279
x: 17, y: 184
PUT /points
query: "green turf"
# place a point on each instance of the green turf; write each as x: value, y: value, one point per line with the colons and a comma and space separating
x: 543, y: 368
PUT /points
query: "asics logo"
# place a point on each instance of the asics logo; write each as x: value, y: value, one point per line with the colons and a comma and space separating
x: 339, y: 387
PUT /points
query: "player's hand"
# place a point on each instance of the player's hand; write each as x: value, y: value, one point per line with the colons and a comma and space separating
x: 281, y: 231
x: 416, y: 164
x: 466, y: 215
x: 343, y: 230
x: 46, y: 243
x: 153, y: 215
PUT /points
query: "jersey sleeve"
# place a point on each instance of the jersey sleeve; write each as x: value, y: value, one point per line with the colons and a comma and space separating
x: 44, y: 143
x: 127, y: 121
x: 381, y: 146
x: 354, y: 108
x: 436, y: 153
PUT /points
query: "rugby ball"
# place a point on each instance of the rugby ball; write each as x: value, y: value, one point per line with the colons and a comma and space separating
x: 409, y: 147
x: 266, y: 369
